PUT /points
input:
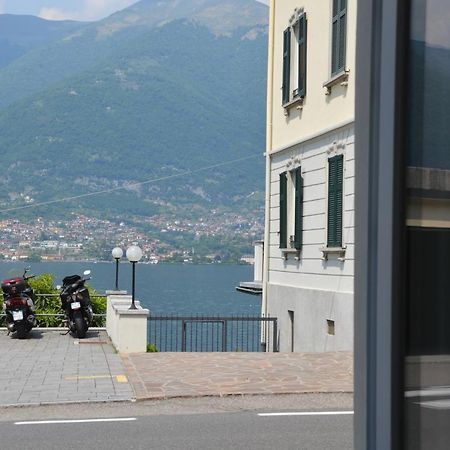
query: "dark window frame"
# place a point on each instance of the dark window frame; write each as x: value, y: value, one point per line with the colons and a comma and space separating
x: 285, y: 227
x: 286, y: 87
x: 298, y: 212
x: 335, y: 205
x: 338, y: 37
x: 299, y: 33
x: 302, y: 50
x: 283, y: 211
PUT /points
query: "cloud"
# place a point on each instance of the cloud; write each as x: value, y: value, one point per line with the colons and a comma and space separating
x: 2, y: 6
x: 55, y: 14
x: 90, y: 10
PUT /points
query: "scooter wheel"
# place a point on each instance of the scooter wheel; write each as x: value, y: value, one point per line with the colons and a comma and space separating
x: 21, y: 331
x: 80, y: 327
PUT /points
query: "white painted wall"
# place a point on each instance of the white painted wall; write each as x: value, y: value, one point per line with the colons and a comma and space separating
x: 319, y: 110
x: 126, y: 328
x: 311, y: 270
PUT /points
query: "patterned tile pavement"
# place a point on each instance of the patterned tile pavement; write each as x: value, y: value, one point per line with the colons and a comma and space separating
x: 170, y: 375
x: 50, y: 367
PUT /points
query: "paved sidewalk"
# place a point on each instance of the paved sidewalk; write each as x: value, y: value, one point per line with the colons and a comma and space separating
x: 49, y: 367
x: 170, y: 375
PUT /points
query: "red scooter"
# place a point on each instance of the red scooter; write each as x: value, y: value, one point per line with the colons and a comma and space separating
x: 18, y: 304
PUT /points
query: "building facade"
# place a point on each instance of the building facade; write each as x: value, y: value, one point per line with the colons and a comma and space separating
x: 310, y: 170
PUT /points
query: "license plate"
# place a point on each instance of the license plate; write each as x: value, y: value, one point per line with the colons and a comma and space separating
x: 75, y: 305
x: 17, y: 315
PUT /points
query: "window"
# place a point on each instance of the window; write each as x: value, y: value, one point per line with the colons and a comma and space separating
x: 339, y: 36
x: 286, y: 65
x: 294, y: 61
x: 335, y: 185
x: 292, y: 322
x: 291, y: 209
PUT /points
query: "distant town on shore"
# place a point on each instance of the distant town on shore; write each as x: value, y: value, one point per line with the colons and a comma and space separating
x: 162, y: 239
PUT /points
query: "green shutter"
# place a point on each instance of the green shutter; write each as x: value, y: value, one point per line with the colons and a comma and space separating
x: 298, y: 241
x: 335, y: 200
x: 283, y: 210
x: 286, y: 64
x: 339, y: 36
x: 302, y: 33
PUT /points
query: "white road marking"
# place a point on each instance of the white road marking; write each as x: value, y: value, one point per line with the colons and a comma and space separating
x: 307, y: 413
x: 46, y: 422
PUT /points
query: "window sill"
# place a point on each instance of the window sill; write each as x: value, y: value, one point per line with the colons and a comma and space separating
x: 296, y: 101
x: 288, y: 251
x: 336, y: 251
x: 341, y: 79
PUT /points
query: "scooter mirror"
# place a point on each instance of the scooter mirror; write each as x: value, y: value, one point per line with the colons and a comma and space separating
x: 86, y: 273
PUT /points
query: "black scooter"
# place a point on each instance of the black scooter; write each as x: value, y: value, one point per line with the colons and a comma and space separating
x: 18, y: 304
x: 76, y: 303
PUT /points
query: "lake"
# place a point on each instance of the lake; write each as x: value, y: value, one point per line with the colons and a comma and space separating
x: 163, y: 288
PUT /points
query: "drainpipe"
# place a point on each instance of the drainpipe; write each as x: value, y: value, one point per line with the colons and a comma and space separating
x: 264, y: 304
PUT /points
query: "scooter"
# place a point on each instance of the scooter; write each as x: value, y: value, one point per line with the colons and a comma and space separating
x: 76, y: 303
x: 18, y: 304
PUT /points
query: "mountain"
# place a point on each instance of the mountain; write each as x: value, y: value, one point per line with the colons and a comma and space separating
x: 153, y: 91
x: 97, y: 43
x: 19, y: 34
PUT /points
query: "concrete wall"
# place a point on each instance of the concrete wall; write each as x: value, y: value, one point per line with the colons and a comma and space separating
x: 312, y: 309
x: 126, y: 328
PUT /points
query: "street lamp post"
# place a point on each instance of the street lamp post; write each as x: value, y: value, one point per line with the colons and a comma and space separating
x: 117, y: 253
x: 134, y: 254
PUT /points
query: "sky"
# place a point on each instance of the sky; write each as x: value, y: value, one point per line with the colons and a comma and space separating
x: 67, y: 9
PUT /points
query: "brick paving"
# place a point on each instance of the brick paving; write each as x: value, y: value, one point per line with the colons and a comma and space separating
x: 170, y: 375
x: 49, y: 367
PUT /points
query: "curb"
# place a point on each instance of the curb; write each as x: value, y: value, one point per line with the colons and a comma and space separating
x: 238, y: 394
x: 69, y: 402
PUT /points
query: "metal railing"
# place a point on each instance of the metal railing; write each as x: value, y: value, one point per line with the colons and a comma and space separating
x: 60, y: 324
x: 212, y: 334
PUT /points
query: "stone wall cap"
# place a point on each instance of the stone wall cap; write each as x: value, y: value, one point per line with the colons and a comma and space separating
x: 133, y: 312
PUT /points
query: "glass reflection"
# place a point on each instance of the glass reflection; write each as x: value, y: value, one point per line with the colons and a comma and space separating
x: 427, y: 365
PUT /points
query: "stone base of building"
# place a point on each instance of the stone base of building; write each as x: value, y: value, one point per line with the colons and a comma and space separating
x: 311, y: 320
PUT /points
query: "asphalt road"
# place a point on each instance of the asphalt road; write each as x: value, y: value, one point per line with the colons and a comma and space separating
x: 193, y: 424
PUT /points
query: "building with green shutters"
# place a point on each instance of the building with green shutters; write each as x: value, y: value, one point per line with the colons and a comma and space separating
x: 309, y: 233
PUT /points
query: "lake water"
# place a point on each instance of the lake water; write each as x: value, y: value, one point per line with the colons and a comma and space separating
x: 164, y: 289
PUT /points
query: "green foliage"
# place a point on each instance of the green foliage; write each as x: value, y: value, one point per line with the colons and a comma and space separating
x: 152, y: 108
x: 99, y: 307
x: 47, y: 300
x: 152, y: 348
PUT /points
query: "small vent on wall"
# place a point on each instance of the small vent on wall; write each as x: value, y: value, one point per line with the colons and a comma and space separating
x: 330, y: 326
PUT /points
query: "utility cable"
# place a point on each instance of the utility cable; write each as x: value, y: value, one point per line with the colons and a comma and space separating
x: 128, y: 186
